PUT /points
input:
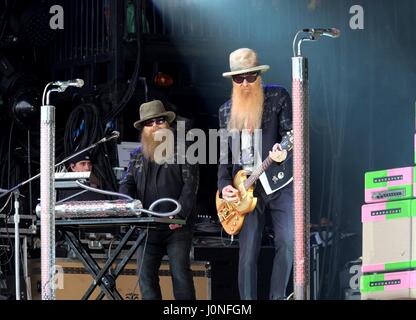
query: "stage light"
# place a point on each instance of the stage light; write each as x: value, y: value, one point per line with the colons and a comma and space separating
x: 25, y: 107
x: 163, y: 80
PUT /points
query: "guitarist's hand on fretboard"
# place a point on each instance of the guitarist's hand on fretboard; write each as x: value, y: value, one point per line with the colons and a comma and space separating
x: 277, y: 154
x: 230, y: 194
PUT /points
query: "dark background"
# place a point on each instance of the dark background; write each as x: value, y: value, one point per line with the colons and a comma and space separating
x: 361, y: 87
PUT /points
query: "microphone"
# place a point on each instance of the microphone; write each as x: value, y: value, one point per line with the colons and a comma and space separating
x: 70, y: 83
x: 114, y: 135
x: 329, y: 32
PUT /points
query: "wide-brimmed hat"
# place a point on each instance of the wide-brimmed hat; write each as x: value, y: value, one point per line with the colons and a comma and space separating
x: 153, y: 109
x: 244, y: 60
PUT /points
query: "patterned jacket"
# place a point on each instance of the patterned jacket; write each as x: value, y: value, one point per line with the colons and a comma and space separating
x: 276, y: 122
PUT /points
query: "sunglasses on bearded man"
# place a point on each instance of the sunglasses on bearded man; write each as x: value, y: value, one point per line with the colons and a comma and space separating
x: 158, y: 121
x: 250, y: 77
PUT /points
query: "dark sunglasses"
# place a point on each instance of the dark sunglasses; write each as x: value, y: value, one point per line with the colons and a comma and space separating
x: 150, y: 122
x: 250, y: 77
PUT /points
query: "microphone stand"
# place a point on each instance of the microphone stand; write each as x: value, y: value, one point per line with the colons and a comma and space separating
x: 16, y: 194
x: 16, y: 243
x: 301, y: 168
x: 47, y: 182
x: 300, y: 101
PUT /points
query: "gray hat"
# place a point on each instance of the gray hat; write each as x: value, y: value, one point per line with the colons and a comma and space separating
x: 153, y: 109
x: 244, y: 60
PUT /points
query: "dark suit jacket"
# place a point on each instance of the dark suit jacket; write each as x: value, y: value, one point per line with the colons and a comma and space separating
x: 276, y: 122
x: 176, y: 181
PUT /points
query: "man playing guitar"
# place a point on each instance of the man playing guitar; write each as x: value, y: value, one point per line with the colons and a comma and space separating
x: 254, y: 106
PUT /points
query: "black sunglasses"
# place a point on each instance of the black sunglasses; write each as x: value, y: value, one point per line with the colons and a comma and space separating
x: 150, y: 122
x: 250, y: 77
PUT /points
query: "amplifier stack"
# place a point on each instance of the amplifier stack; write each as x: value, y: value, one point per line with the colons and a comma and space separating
x: 389, y: 235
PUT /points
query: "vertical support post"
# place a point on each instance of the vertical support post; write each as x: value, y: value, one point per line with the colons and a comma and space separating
x: 301, y: 177
x: 16, y: 244
x: 47, y: 200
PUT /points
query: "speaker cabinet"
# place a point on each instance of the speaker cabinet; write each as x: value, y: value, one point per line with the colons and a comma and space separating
x: 72, y: 280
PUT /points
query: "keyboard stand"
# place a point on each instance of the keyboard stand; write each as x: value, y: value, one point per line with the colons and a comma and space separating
x: 102, y: 277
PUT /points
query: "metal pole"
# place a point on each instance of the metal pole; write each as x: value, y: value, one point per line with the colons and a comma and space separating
x: 301, y: 177
x: 301, y: 172
x: 47, y: 200
x: 16, y: 244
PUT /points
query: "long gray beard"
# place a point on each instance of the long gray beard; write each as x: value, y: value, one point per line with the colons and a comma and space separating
x: 149, y: 146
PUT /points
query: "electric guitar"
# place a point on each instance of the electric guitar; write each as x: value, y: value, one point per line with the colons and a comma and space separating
x: 232, y: 214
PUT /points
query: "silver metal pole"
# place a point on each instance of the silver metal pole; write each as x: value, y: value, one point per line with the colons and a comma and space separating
x: 301, y: 177
x: 16, y: 244
x: 47, y: 200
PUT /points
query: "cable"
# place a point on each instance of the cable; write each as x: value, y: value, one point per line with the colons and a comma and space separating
x: 151, y: 207
x: 7, y: 202
x: 109, y: 248
x: 84, y: 127
x: 222, y: 239
x: 103, y: 191
x: 135, y: 75
x: 9, y: 239
x: 70, y: 197
x: 6, y: 218
x: 163, y: 214
x: 29, y: 171
x: 3, y: 23
x: 8, y: 156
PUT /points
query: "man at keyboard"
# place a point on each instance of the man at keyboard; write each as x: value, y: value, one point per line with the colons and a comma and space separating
x: 82, y: 163
x: 149, y: 179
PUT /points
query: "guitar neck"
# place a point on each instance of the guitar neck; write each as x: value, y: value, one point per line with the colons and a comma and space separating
x: 258, y: 172
x: 285, y: 144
